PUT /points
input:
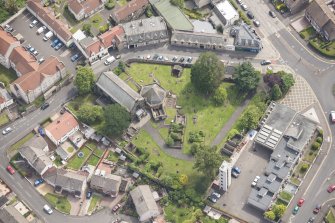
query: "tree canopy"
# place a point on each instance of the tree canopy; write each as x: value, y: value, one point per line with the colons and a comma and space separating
x: 276, y: 93
x: 178, y: 3
x: 84, y: 80
x: 117, y: 119
x: 207, y: 160
x: 270, y: 215
x: 207, y: 73
x: 220, y: 95
x: 250, y: 118
x: 280, y: 83
x: 90, y: 114
x: 279, y: 210
x: 247, y: 78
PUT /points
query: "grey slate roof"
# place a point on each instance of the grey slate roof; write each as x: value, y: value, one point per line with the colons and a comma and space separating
x: 153, y: 94
x: 109, y: 183
x: 320, y: 12
x: 10, y: 215
x: 118, y: 90
x: 200, y: 38
x: 260, y: 198
x: 245, y: 38
x: 37, y: 142
x: 143, y: 200
x: 36, y: 158
x: 270, y: 182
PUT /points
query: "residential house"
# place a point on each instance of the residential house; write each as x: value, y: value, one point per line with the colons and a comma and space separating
x: 154, y: 96
x: 113, y: 87
x: 201, y: 40
x: 112, y: 38
x: 62, y: 128
x: 84, y: 8
x: 144, y: 202
x: 108, y: 184
x: 38, y: 80
x: 22, y: 61
x: 5, y: 99
x: 226, y: 13
x: 131, y: 11
x: 10, y: 214
x: 201, y: 3
x: 66, y: 181
x: 48, y: 18
x: 7, y: 45
x: 321, y: 16
x: 295, y: 6
x: 144, y: 32
x: 245, y: 39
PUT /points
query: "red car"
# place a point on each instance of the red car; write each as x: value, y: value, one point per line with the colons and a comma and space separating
x: 317, y: 209
x: 10, y: 169
x: 116, y: 207
x: 331, y: 188
x: 301, y: 202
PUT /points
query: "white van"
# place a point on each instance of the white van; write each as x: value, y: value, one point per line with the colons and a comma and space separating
x: 47, y: 209
x: 41, y: 30
x: 109, y: 60
x: 47, y: 36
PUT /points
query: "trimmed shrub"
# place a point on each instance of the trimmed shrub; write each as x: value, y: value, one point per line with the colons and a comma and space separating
x: 316, y: 146
x: 319, y: 139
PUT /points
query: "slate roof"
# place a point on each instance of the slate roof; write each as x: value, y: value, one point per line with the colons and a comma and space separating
x: 245, y: 38
x: 23, y: 60
x: 10, y: 215
x: 153, y: 94
x: 36, y: 158
x: 199, y: 38
x: 109, y: 183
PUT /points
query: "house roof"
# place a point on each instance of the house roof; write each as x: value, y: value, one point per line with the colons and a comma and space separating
x: 36, y: 158
x: 49, y: 18
x: 118, y: 90
x: 75, y: 6
x: 246, y: 38
x: 114, y: 34
x: 10, y: 215
x: 33, y: 79
x: 122, y: 13
x: 4, y: 95
x: 226, y: 10
x: 109, y: 183
x: 199, y: 38
x: 143, y: 200
x: 153, y: 94
x: 23, y: 60
x: 94, y: 47
x: 87, y: 5
x: 37, y: 142
x: 62, y: 125
x: 6, y: 39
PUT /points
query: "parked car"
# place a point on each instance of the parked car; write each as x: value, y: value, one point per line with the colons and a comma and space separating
x: 31, y: 49
x: 244, y: 7
x: 41, y: 60
x: 175, y: 58
x: 47, y: 209
x: 331, y: 188
x: 311, y: 220
x: 38, y: 182
x: 250, y: 15
x: 257, y: 23
x: 116, y: 207
x: 75, y: 57
x: 8, y: 28
x: 295, y: 210
x: 234, y: 174
x: 239, y: 1
x: 189, y: 60
x: 33, y: 24
x: 216, y: 194
x: 58, y: 46
x: 254, y: 183
x: 41, y: 30
x: 236, y: 169
x: 272, y: 14
x: 45, y: 106
x: 181, y: 59
x: 10, y: 169
x: 54, y: 43
x: 27, y: 47
x: 7, y: 130
x: 212, y: 198
x: 35, y: 53
x: 300, y: 202
x: 118, y: 56
x: 265, y: 62
x: 166, y: 58
x: 332, y: 116
x: 317, y: 209
x: 148, y: 57
x: 88, y: 194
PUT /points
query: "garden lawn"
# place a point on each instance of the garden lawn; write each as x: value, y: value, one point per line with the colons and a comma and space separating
x: 59, y: 202
x: 76, y: 162
x: 285, y: 195
x: 295, y: 180
x: 95, y: 200
x: 19, y: 143
x: 307, y: 33
x: 112, y: 157
x: 330, y: 217
x: 93, y: 160
x: 164, y: 132
x: 7, y: 76
x: 96, y: 20
x: 310, y: 155
x: 177, y: 214
x: 3, y: 119
x: 327, y: 49
x: 122, y: 2
x: 171, y: 113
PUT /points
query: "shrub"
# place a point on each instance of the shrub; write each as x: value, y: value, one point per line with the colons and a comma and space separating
x: 319, y: 139
x: 316, y: 146
x: 110, y: 4
x: 104, y: 28
x: 302, y: 35
x: 320, y: 132
x: 194, y: 148
x: 304, y: 167
x: 169, y: 141
x: 232, y: 133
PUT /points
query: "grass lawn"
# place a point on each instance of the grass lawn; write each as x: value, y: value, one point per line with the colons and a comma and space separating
x: 93, y: 160
x: 7, y: 76
x: 285, y: 195
x: 307, y: 33
x: 177, y: 214
x: 69, y: 17
x: 297, y: 170
x: 96, y: 20
x: 327, y: 49
x: 330, y: 217
x: 122, y: 2
x: 280, y: 201
x: 171, y: 113
x: 19, y: 143
x: 164, y: 132
x: 3, y: 119
x: 75, y: 104
x: 310, y: 155
x: 70, y: 149
x: 95, y: 200
x: 59, y: 202
x: 76, y: 162
x: 112, y: 157
x: 295, y: 181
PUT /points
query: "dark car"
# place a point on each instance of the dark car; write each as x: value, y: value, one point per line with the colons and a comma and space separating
x: 116, y: 207
x: 236, y: 169
x: 54, y: 43
x: 189, y: 60
x: 181, y: 59
x: 88, y: 194
x: 272, y: 14
x: 250, y: 15
x: 317, y: 209
x: 311, y: 220
x: 257, y: 23
x: 213, y: 199
x: 38, y: 182
x: 45, y: 106
x: 75, y: 57
x: 58, y: 46
x: 265, y: 62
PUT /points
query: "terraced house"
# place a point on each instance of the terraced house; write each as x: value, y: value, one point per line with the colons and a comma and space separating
x: 84, y: 8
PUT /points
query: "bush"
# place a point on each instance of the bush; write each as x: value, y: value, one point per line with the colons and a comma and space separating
x: 104, y: 28
x: 316, y: 146
x: 194, y: 148
x: 304, y: 167
x: 110, y: 4
x: 320, y: 132
x: 232, y: 133
x: 319, y: 139
x: 169, y: 141
x: 302, y: 35
x: 148, y: 11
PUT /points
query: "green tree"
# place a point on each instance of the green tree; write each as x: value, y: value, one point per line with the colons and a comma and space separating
x: 219, y: 28
x: 247, y: 78
x: 304, y: 167
x: 87, y: 29
x: 84, y: 80
x: 178, y: 3
x: 117, y: 119
x: 169, y: 141
x: 207, y: 160
x: 11, y: 6
x: 220, y: 95
x: 90, y: 114
x: 270, y: 215
x: 232, y: 133
x: 276, y: 93
x: 207, y: 73
x: 250, y: 118
x: 279, y: 210
x: 287, y: 81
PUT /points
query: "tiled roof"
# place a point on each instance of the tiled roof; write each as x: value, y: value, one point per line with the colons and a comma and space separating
x: 133, y: 6
x: 33, y: 79
x: 107, y: 37
x: 75, y: 6
x: 88, y: 5
x: 23, y: 60
x: 62, y: 125
x: 6, y: 39
x: 49, y: 18
x: 94, y: 47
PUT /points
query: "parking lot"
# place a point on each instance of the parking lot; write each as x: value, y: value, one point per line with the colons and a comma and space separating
x: 21, y: 26
x: 252, y: 163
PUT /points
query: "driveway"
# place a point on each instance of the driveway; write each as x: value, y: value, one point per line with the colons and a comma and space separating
x: 21, y: 25
x: 252, y: 163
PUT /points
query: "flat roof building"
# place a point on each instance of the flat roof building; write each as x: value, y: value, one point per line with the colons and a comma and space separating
x: 226, y: 13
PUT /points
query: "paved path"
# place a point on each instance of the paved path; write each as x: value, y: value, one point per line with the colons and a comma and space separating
x: 176, y: 153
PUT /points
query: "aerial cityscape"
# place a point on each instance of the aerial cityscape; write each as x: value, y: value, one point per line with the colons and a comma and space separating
x: 167, y: 111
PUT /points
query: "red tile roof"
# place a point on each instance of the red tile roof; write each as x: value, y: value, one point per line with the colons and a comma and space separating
x: 2, y: 100
x: 6, y: 39
x: 62, y: 125
x: 23, y: 60
x: 94, y: 47
x: 133, y: 6
x: 115, y: 33
x: 75, y: 6
x: 88, y: 5
x: 32, y: 80
x: 49, y: 18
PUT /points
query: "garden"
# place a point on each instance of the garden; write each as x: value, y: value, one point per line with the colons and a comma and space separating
x: 326, y: 48
x: 3, y: 119
x: 7, y: 76
x: 308, y: 33
x: 60, y: 203
x: 95, y: 201
x: 330, y: 218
